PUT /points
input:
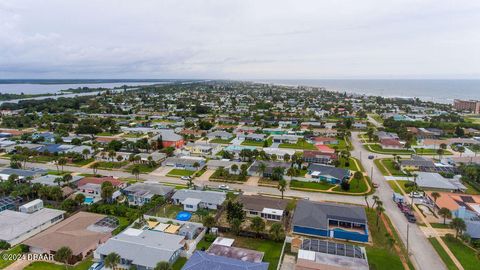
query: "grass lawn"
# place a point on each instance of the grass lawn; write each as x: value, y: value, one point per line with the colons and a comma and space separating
x: 220, y: 141
x: 470, y: 189
x: 440, y: 225
x: 377, y: 148
x: 108, y: 165
x: 169, y: 211
x: 144, y: 168
x: 351, y: 164
x: 394, y: 186
x: 253, y: 143
x: 122, y: 225
x: 83, y: 162
x: 271, y: 249
x: 42, y: 159
x: 84, y: 265
x: 441, y: 252
x: 401, y: 183
x: 60, y: 173
x: 4, y: 263
x: 356, y: 186
x: 181, y: 261
x: 227, y: 178
x: 105, y: 134
x: 342, y: 145
x: 203, y: 244
x: 463, y: 253
x: 180, y: 173
x: 388, y: 163
x: 380, y: 255
x: 311, y: 185
x: 432, y: 152
x: 301, y: 144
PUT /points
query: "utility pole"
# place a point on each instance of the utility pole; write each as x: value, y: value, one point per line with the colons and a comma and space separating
x: 408, y: 228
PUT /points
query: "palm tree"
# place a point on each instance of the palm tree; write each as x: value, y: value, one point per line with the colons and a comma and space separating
x: 112, y: 260
x: 163, y: 266
x: 366, y: 201
x: 445, y: 213
x: 261, y: 168
x: 379, y: 210
x: 67, y: 178
x: 276, y: 231
x: 390, y: 241
x: 435, y: 195
x: 85, y: 153
x: 94, y: 167
x: 282, y: 186
x: 234, y: 168
x: 458, y: 225
x: 63, y: 255
x: 136, y: 171
x: 375, y: 200
x: 62, y: 161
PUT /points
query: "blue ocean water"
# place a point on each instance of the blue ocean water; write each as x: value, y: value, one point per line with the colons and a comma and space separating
x: 442, y: 91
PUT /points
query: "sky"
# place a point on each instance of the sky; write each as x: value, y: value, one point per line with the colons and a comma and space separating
x: 224, y: 39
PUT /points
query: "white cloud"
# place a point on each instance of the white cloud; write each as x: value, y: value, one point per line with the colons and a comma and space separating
x: 238, y: 39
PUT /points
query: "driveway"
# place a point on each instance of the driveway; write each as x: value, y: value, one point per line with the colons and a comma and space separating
x: 161, y: 171
x: 205, y: 176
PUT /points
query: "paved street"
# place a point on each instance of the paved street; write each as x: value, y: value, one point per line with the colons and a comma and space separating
x: 422, y: 253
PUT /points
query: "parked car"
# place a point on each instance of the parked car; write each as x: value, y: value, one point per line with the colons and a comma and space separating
x: 371, y: 157
x: 375, y: 185
x: 410, y: 217
x: 96, y: 266
x: 224, y: 187
x: 186, y: 178
x: 416, y: 195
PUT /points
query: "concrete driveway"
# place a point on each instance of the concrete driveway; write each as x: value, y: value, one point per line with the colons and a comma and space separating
x: 161, y: 171
x: 205, y: 176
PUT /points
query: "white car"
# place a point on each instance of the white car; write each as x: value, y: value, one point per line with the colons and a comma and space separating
x: 185, y: 178
x: 224, y: 187
x: 416, y: 195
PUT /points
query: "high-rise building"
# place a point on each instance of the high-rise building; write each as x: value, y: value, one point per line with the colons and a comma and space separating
x: 467, y: 105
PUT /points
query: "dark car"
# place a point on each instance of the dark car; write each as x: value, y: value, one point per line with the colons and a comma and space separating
x: 410, y: 217
x: 371, y: 157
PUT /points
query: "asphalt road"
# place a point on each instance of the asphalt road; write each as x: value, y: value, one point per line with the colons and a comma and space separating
x: 422, y: 253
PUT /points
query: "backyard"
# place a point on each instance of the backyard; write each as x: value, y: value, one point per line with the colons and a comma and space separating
x: 170, y: 211
x: 4, y: 263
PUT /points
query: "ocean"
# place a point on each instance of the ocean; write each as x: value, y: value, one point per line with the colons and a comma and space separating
x: 441, y: 91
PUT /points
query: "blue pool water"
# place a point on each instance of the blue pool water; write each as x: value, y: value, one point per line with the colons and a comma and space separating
x: 184, y: 216
x: 88, y: 200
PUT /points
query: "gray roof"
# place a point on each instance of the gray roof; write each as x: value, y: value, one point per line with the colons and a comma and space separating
x: 326, y: 170
x: 148, y: 189
x: 269, y: 165
x: 143, y: 247
x: 418, y: 161
x: 316, y: 214
x: 14, y: 224
x: 23, y: 173
x: 473, y: 228
x: 203, y: 261
x: 49, y: 179
x: 207, y: 196
x: 219, y: 134
x: 436, y: 181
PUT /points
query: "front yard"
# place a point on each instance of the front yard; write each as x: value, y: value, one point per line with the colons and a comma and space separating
x: 464, y: 254
x: 144, y: 168
x: 311, y: 185
x: 84, y: 265
x: 388, y: 167
x: 377, y: 148
x: 109, y: 165
x: 180, y: 173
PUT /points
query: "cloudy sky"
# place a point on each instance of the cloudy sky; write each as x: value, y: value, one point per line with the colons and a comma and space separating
x: 259, y: 39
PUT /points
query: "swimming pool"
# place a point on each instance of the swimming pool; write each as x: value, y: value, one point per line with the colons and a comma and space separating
x: 88, y: 200
x: 184, y: 216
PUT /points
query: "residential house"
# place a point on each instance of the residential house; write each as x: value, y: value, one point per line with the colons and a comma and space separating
x: 49, y: 180
x: 318, y: 157
x: 416, y: 163
x: 184, y: 162
x: 269, y: 167
x: 215, y: 164
x: 192, y: 200
x: 434, y: 181
x: 291, y: 139
x: 265, y: 207
x: 222, y: 135
x: 169, y: 138
x: 330, y: 220
x: 142, y: 193
x: 202, y: 149
x: 328, y: 173
x: 203, y: 260
x: 142, y: 249
x: 16, y: 227
x: 22, y: 174
x: 82, y: 233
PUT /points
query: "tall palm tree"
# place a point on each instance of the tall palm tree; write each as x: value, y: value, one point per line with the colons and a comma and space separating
x: 282, y: 186
x: 112, y: 260
x: 445, y: 213
x: 458, y: 225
